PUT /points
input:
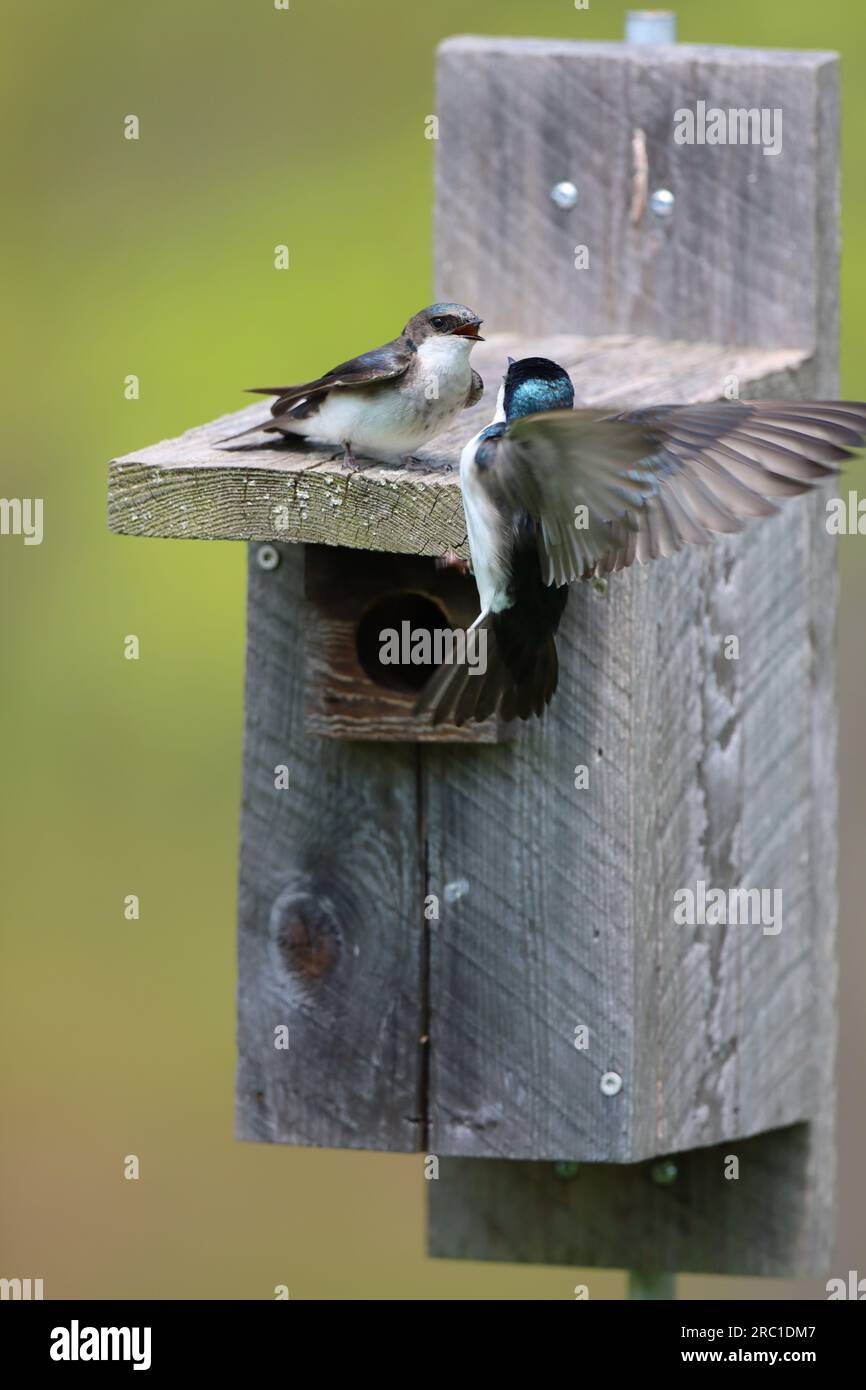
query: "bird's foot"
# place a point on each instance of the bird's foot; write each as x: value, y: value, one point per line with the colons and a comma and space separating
x: 411, y: 464
x: 350, y: 463
x: 451, y: 561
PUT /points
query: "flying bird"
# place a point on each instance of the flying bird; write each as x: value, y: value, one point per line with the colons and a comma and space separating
x: 552, y: 495
x: 391, y: 400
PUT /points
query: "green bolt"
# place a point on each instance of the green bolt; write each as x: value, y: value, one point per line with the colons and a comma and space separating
x: 664, y: 1172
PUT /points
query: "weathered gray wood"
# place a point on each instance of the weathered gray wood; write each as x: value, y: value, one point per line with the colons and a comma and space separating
x: 733, y: 265
x: 330, y: 910
x: 823, y: 711
x: 190, y: 488
x: 316, y: 821
x: 700, y: 768
x: 617, y: 1216
x: 348, y: 819
x: 568, y: 917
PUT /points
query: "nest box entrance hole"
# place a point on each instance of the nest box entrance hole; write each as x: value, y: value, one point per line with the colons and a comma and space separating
x: 358, y: 684
x: 415, y: 619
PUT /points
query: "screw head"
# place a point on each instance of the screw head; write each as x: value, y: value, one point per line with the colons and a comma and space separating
x: 611, y: 1083
x: 564, y: 195
x: 267, y: 557
x: 453, y: 892
x: 664, y: 1172
x: 662, y: 203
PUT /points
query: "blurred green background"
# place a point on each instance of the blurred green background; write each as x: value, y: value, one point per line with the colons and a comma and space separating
x: 156, y: 258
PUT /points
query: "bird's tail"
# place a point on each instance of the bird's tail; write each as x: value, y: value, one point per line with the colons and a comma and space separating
x: 518, y: 680
x: 251, y: 429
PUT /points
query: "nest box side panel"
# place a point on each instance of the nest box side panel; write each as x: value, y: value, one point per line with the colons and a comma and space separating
x: 330, y: 908
x: 724, y: 936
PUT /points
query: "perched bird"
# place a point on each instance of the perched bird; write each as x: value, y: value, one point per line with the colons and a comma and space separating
x: 391, y: 400
x: 552, y: 495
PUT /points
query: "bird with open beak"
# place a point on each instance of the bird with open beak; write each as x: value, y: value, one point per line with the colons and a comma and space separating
x: 552, y: 495
x: 391, y: 400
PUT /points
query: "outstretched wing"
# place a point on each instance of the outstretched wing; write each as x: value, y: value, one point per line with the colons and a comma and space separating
x: 572, y: 472
x: 379, y: 364
x: 608, y: 491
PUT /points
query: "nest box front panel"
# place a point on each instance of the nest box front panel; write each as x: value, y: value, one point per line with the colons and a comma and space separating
x: 360, y: 607
x: 446, y: 921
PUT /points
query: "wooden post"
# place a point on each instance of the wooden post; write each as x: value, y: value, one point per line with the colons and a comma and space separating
x: 426, y: 927
x: 700, y: 768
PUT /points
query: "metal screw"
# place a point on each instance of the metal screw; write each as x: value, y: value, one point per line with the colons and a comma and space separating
x: 267, y: 557
x: 611, y: 1083
x: 662, y: 202
x: 564, y: 194
x: 664, y: 1172
x: 455, y: 891
x: 565, y: 1171
x: 650, y: 26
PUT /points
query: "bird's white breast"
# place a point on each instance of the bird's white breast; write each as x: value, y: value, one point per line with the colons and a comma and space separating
x: 400, y: 415
x: 441, y: 378
x: 486, y: 533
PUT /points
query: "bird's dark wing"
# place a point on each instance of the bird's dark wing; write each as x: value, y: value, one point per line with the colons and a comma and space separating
x: 716, y: 465
x: 379, y: 364
x: 476, y: 390
x: 549, y: 465
x: 606, y: 492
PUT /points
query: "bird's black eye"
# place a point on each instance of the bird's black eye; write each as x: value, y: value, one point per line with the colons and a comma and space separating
x: 438, y: 321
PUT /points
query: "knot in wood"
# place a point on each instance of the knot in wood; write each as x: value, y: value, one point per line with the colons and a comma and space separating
x: 306, y: 935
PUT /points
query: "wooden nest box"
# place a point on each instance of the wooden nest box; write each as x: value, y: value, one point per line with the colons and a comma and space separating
x: 474, y: 949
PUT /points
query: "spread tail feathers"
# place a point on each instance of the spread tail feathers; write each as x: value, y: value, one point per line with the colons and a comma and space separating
x: 511, y: 689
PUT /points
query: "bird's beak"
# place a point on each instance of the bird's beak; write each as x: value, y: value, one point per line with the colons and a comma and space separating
x: 469, y: 330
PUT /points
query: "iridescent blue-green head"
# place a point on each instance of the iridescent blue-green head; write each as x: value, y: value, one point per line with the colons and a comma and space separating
x: 534, y: 384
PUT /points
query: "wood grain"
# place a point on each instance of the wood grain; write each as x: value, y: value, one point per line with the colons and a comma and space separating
x: 330, y: 924
x: 569, y: 915
x: 735, y: 262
